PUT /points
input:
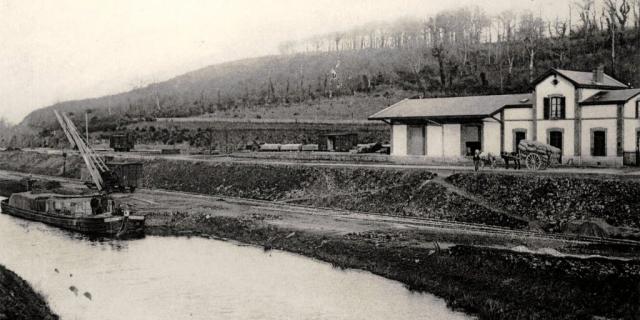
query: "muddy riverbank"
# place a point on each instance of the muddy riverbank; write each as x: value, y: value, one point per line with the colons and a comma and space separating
x: 18, y: 301
x: 490, y: 283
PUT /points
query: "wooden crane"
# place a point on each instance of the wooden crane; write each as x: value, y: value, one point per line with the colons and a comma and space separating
x: 95, y: 164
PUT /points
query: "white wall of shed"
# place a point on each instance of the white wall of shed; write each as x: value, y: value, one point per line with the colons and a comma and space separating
x: 399, y: 140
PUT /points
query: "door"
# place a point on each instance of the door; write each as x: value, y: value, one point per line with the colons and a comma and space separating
x: 415, y: 142
x: 599, y: 144
x: 520, y: 135
x: 555, y: 139
x: 331, y: 143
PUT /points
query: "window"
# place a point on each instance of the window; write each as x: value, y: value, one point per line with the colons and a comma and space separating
x: 554, y: 108
x: 557, y: 106
x: 637, y: 107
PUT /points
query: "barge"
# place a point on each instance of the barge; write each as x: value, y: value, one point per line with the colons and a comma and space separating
x: 94, y: 214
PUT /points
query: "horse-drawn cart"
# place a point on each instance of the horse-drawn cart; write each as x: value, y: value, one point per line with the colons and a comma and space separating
x: 537, y: 155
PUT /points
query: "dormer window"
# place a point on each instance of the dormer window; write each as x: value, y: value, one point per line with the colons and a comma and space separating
x: 555, y: 107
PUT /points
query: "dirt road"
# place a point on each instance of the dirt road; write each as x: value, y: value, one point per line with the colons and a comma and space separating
x: 161, y: 206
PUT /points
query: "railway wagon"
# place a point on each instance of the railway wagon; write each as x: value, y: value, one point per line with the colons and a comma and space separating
x: 122, y: 176
x: 121, y: 142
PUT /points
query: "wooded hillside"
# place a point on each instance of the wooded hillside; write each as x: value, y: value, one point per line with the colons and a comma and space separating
x: 354, y: 73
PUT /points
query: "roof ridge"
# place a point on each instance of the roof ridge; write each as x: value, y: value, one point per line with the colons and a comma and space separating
x: 472, y: 96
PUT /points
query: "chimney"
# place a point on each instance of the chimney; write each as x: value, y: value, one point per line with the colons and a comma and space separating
x: 598, y: 74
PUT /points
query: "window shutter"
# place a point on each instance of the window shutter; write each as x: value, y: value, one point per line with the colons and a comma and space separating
x: 546, y: 108
x: 563, y: 107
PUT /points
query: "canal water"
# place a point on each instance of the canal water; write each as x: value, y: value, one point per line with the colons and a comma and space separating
x: 159, y: 278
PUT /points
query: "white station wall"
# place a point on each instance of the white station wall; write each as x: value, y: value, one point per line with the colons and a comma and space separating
x: 491, y: 136
x: 451, y: 140
x: 434, y: 141
x: 631, y: 125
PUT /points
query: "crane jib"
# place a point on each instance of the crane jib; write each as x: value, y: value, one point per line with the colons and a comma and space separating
x: 95, y: 164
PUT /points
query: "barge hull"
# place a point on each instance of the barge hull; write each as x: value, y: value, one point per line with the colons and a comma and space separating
x: 100, y: 226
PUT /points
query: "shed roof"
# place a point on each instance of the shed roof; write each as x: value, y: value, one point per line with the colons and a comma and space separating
x: 582, y: 79
x: 611, y: 97
x: 473, y: 106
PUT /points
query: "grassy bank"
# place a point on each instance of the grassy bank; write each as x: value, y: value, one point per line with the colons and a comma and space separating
x: 39, y: 163
x: 556, y: 201
x: 489, y: 283
x: 18, y: 301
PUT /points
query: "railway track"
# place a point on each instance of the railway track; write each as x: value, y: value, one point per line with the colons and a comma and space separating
x: 408, y: 221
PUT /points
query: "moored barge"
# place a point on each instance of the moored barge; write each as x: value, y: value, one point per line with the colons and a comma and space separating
x: 94, y: 214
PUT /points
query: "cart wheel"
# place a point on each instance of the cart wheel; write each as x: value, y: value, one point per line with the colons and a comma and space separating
x: 533, y: 161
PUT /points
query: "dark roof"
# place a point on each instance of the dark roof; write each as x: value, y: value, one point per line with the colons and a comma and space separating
x: 611, y: 97
x: 473, y: 106
x: 583, y: 79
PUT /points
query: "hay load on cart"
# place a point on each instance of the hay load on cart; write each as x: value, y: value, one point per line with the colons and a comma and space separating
x: 538, y: 155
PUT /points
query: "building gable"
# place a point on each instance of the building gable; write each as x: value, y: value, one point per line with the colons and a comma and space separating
x: 551, y: 87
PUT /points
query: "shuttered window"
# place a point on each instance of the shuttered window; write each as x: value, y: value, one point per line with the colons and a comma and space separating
x: 555, y: 108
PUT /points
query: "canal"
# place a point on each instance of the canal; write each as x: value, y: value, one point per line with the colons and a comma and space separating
x: 195, y: 278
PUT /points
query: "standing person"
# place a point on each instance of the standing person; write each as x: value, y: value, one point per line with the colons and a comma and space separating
x: 476, y: 159
x: 516, y: 160
x: 505, y: 158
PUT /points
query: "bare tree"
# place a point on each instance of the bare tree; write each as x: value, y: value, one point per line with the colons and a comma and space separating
x: 636, y: 16
x: 417, y: 61
x: 506, y: 39
x: 585, y: 10
x: 558, y: 36
x: 531, y: 31
x: 619, y: 13
x: 609, y: 15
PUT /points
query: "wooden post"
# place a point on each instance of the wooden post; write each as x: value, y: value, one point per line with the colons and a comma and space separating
x: 86, y: 126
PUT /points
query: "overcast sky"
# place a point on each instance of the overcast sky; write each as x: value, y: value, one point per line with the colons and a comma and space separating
x: 52, y: 51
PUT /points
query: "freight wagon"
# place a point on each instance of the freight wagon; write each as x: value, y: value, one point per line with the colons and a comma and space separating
x: 121, y: 142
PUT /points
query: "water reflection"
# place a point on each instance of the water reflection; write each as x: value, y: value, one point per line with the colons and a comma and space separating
x: 194, y: 278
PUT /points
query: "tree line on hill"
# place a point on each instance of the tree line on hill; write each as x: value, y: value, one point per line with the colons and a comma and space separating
x: 466, y: 39
x: 456, y: 52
